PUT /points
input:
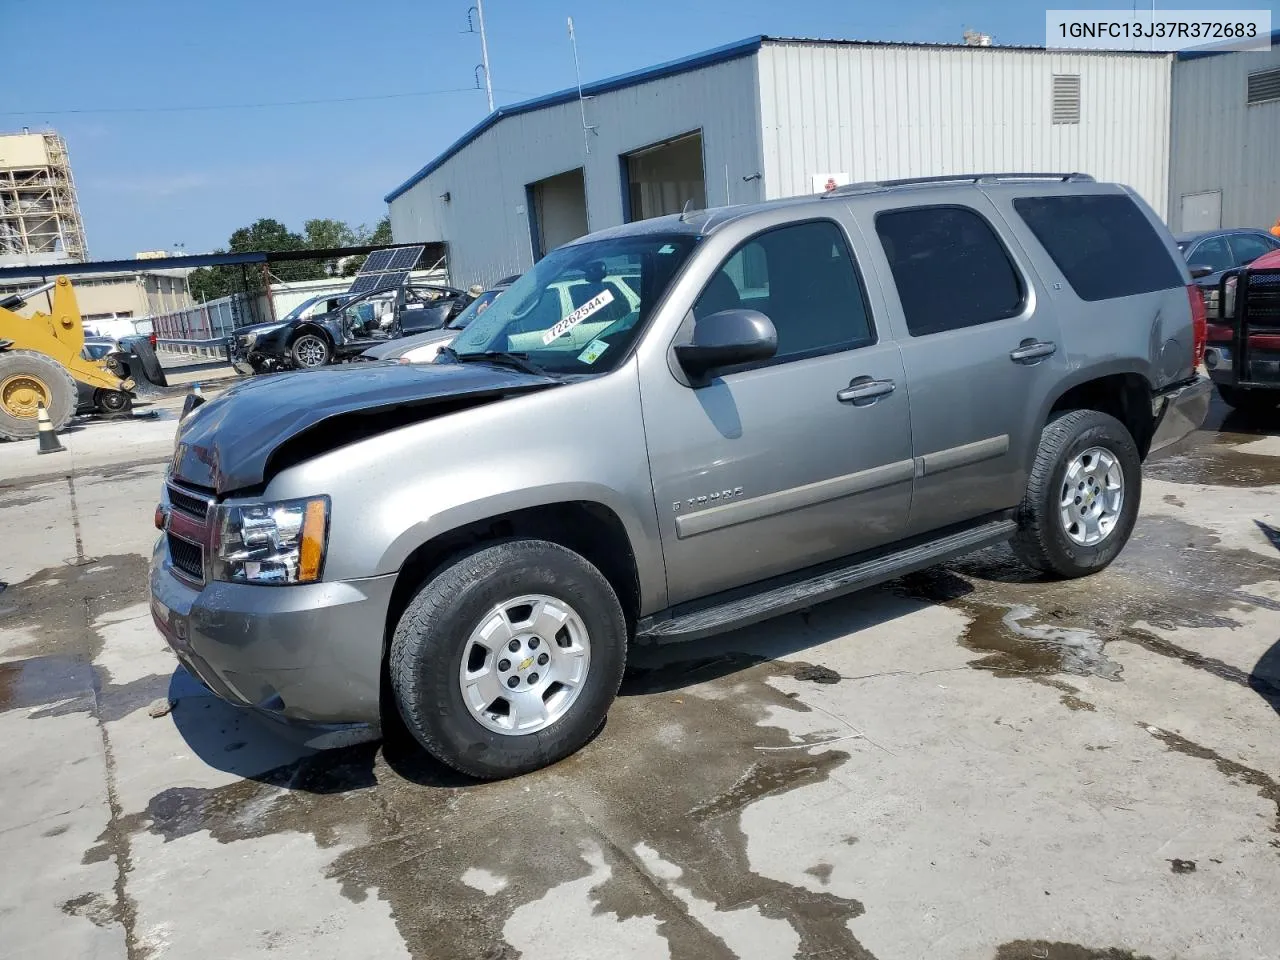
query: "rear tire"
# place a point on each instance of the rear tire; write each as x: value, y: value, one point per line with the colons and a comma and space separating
x: 1082, y: 495
x: 310, y: 350
x: 466, y: 611
x: 1249, y: 401
x: 26, y: 379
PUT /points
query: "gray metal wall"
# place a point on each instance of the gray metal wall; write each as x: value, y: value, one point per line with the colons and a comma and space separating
x: 880, y: 111
x: 1222, y: 143
x: 485, y: 222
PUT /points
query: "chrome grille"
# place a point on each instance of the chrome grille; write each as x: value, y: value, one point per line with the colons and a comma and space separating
x: 189, y: 503
x: 187, y: 557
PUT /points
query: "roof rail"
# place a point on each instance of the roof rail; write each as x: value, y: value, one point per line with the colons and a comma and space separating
x: 870, y: 185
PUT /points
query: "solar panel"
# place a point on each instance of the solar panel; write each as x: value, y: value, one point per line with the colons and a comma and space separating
x: 377, y: 261
x: 406, y: 258
x: 389, y: 281
x: 363, y: 284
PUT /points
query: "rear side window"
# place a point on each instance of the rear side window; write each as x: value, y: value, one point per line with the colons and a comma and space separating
x: 1104, y: 245
x: 950, y: 268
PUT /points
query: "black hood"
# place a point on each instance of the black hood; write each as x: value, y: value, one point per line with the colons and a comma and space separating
x: 263, y: 424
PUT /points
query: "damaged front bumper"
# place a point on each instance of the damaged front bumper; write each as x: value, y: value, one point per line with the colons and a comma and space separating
x: 308, y: 654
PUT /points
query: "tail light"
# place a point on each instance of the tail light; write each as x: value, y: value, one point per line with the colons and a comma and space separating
x: 1199, y: 325
x: 152, y: 338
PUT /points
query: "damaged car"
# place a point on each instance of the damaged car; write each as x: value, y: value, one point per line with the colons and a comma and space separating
x: 672, y: 428
x: 308, y: 337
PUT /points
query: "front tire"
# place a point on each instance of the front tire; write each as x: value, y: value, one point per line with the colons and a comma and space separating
x: 508, y: 659
x: 112, y: 402
x: 1082, y: 495
x: 310, y: 350
x: 27, y: 380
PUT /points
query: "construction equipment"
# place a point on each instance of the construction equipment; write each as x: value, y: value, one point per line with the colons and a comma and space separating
x: 42, y: 361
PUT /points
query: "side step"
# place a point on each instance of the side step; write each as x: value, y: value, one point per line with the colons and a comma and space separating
x: 829, y: 584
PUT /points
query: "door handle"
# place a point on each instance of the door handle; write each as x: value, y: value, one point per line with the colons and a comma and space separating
x: 1033, y: 351
x: 864, y: 391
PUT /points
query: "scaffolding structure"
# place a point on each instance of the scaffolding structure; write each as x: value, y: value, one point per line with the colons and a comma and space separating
x: 39, y: 213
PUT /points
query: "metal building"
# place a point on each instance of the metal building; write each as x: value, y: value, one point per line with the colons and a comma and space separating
x: 771, y: 117
x: 39, y: 214
x: 1225, y: 169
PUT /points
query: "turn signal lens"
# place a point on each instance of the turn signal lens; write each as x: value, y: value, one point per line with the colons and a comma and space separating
x: 311, y: 553
x: 162, y: 515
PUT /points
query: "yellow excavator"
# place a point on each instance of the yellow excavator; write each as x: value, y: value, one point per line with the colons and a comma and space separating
x: 43, y: 363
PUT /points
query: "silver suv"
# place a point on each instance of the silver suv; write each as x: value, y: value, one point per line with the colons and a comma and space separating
x: 673, y: 428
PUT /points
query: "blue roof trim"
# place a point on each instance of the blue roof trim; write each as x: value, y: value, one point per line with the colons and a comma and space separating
x: 1200, y: 54
x: 730, y: 51
x: 75, y: 269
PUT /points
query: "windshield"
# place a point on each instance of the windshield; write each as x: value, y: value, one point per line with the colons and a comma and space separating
x: 580, y: 307
x: 306, y: 305
x: 474, y: 309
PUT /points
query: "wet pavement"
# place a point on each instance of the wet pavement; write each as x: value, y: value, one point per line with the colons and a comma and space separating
x: 969, y: 762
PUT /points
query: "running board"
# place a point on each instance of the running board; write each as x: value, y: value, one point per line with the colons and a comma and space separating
x: 828, y: 585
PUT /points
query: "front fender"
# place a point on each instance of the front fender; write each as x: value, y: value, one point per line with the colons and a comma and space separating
x: 581, y: 442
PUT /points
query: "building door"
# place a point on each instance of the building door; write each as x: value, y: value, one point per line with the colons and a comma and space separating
x: 558, y: 207
x: 1201, y: 211
x: 662, y: 177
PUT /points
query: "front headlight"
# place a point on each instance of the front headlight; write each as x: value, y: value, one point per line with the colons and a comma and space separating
x: 276, y: 543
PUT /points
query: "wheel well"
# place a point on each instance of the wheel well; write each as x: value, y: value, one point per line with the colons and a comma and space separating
x: 589, y: 529
x: 1125, y: 396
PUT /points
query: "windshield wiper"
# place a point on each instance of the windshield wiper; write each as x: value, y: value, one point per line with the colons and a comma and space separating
x: 520, y: 361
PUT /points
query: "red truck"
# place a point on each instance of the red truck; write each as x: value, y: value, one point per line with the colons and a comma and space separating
x: 1242, y: 355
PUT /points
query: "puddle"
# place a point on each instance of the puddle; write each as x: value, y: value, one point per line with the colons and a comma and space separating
x: 38, y: 681
x: 412, y: 825
x: 1046, y: 950
x: 1218, y: 466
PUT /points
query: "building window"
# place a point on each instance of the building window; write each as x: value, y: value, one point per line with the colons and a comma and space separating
x: 1264, y: 86
x: 1066, y: 98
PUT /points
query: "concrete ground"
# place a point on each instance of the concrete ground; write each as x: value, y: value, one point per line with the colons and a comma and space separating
x: 967, y: 763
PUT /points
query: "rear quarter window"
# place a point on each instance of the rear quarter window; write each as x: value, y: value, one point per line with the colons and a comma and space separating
x: 1103, y: 244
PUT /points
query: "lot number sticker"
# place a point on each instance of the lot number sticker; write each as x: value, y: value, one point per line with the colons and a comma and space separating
x: 602, y: 299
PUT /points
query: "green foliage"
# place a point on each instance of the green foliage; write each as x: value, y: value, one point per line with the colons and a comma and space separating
x: 209, y: 283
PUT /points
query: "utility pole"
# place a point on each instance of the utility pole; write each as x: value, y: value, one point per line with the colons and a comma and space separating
x: 484, y: 49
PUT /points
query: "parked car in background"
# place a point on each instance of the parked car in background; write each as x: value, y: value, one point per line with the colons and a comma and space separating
x: 1243, y: 352
x: 424, y: 347
x: 316, y: 339
x: 671, y: 428
x: 1220, y: 251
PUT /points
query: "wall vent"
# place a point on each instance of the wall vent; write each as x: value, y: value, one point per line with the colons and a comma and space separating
x: 1066, y: 98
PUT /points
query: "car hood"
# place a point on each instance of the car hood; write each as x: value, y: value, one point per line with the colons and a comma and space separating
x: 398, y: 348
x: 261, y: 425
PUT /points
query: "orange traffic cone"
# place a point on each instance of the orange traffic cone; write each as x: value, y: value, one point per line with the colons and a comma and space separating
x: 48, y: 439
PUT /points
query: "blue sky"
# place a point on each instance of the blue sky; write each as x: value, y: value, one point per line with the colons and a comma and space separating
x: 151, y: 172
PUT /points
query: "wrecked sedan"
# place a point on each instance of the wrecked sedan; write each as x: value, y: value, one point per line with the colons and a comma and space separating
x: 306, y: 339
x: 668, y: 429
x: 424, y: 347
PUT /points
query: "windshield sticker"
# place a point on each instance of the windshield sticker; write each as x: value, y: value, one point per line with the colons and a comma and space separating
x: 602, y: 299
x: 666, y: 248
x: 594, y: 349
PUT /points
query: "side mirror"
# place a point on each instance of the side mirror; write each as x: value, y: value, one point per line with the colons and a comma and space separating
x: 724, y: 339
x: 1199, y: 270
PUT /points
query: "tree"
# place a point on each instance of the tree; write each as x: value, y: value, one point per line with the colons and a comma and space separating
x: 364, y: 237
x: 266, y: 234
x: 326, y: 234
